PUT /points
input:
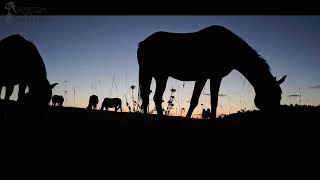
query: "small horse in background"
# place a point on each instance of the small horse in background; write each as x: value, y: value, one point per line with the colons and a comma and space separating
x: 93, y: 101
x: 210, y: 53
x: 111, y: 103
x: 205, y: 113
x: 57, y: 100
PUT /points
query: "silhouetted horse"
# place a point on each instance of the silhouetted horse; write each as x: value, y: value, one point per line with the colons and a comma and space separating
x: 57, y: 100
x: 22, y: 65
x: 111, y: 103
x: 211, y: 53
x: 93, y: 101
x: 206, y: 114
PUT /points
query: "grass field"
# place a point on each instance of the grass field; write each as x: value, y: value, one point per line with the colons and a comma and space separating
x: 77, y: 130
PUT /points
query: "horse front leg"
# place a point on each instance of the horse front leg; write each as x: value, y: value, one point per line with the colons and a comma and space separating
x: 0, y: 90
x: 198, y: 86
x: 161, y: 82
x: 22, y: 90
x: 9, y: 90
x: 214, y: 91
x: 145, y: 79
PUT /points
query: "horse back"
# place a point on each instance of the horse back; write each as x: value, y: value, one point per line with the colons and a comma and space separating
x: 20, y: 60
x: 211, y: 51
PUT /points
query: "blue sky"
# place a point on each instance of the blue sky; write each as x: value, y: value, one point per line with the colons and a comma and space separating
x: 85, y: 53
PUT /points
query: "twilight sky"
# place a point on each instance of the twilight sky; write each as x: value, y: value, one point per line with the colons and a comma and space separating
x: 97, y: 55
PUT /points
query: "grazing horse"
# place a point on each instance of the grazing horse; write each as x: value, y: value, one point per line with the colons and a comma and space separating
x: 22, y: 65
x: 111, y: 103
x: 57, y: 100
x: 93, y: 101
x: 211, y: 53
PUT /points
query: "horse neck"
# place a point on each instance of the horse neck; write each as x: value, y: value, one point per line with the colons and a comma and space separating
x: 257, y: 72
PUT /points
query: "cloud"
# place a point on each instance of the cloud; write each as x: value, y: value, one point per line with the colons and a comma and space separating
x: 315, y: 87
x: 220, y: 95
x: 294, y: 95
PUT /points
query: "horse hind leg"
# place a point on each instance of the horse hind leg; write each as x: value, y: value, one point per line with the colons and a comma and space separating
x: 198, y: 86
x: 119, y: 107
x: 161, y: 82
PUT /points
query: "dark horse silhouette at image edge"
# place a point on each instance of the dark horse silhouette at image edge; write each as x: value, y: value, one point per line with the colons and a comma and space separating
x: 22, y: 65
x: 211, y: 53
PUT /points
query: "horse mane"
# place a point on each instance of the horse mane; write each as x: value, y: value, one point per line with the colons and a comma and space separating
x: 252, y: 53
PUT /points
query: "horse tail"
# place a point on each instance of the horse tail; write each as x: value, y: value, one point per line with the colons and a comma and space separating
x: 141, y: 74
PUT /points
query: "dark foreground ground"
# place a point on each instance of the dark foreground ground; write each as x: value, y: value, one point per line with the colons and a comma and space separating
x: 65, y: 132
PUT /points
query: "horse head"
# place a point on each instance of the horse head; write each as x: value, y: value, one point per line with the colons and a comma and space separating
x: 268, y: 98
x: 39, y: 95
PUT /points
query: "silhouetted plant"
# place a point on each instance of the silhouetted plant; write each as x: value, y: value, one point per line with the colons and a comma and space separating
x: 133, y: 101
x: 182, y: 110
x: 170, y: 102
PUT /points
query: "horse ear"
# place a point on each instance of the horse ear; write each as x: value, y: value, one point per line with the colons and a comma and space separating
x: 282, y: 79
x: 53, y: 85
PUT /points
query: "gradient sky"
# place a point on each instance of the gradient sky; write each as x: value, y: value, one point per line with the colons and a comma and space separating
x: 85, y: 53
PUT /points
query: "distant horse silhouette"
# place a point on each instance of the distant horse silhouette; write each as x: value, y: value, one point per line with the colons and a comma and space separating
x: 111, y: 103
x: 93, y: 101
x: 211, y: 53
x: 205, y: 113
x: 23, y: 66
x: 57, y: 100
